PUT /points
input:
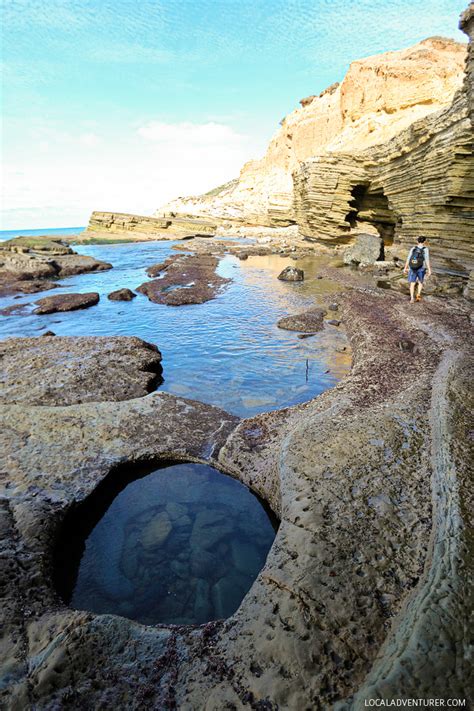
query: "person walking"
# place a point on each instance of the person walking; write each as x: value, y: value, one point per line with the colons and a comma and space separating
x: 417, y: 266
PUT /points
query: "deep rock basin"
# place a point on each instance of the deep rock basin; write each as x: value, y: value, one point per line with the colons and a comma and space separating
x: 178, y: 545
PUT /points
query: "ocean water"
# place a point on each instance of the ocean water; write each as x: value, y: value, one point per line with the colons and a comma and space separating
x: 50, y: 231
x: 181, y: 545
x: 227, y: 352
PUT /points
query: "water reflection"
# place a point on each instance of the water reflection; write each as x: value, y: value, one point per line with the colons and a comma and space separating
x: 227, y: 352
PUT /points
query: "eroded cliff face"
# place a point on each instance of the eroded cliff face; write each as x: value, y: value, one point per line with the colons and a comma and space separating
x: 380, y: 97
x: 421, y: 181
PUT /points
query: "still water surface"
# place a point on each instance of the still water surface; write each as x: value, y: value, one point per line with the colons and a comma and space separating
x: 182, y: 545
x: 227, y: 352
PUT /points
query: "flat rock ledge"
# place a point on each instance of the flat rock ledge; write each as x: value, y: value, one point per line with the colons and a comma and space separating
x: 188, y: 279
x: 66, y: 302
x: 26, y: 263
x: 67, y: 370
x: 372, y: 485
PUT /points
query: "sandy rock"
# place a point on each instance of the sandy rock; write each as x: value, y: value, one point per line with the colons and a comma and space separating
x: 367, y: 249
x: 63, y: 370
x: 66, y: 302
x: 291, y: 274
x: 380, y: 97
x: 349, y: 554
x: 309, y: 321
x: 121, y: 295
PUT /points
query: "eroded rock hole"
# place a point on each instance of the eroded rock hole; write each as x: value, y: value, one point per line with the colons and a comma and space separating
x: 369, y: 205
x: 179, y: 544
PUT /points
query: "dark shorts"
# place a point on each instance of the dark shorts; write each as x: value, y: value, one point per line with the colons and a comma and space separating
x: 416, y: 275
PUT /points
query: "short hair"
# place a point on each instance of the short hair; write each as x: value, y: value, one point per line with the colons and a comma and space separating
x: 421, y: 239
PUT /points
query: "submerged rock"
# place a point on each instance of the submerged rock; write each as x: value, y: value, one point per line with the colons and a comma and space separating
x: 309, y: 321
x: 291, y: 274
x: 157, y: 531
x: 209, y: 527
x: 66, y: 302
x: 121, y: 295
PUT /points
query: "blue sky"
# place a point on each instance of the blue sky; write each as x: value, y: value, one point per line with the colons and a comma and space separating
x: 124, y: 105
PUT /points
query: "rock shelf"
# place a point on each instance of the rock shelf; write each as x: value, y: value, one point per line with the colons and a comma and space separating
x: 190, y: 279
x: 352, y: 475
x: 28, y: 264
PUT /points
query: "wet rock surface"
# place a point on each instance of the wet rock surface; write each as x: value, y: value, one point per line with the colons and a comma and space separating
x: 62, y: 370
x: 353, y: 474
x: 66, y: 302
x: 309, y: 321
x: 25, y: 262
x: 190, y: 279
x: 291, y: 274
x: 121, y: 295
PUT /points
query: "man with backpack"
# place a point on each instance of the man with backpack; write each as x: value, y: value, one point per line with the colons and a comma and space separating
x: 417, y: 265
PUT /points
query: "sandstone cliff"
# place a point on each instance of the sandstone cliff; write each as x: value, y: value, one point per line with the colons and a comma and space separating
x: 121, y: 225
x: 380, y: 97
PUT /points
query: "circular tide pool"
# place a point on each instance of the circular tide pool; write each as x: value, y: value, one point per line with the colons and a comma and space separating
x: 180, y: 545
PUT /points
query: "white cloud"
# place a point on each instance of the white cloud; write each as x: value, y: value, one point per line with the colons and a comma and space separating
x: 191, y: 134
x: 89, y: 139
x: 136, y: 171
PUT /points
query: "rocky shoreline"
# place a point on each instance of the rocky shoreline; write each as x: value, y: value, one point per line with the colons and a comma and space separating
x: 351, y: 592
x: 30, y: 264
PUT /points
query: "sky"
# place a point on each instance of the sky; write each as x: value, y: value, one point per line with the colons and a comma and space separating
x: 122, y: 105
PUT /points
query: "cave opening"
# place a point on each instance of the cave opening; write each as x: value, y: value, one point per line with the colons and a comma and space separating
x: 369, y: 205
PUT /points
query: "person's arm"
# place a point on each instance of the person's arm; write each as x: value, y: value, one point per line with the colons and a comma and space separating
x: 427, y: 260
x: 405, y: 268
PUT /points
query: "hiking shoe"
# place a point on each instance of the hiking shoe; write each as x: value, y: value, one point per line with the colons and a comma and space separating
x: 418, y: 298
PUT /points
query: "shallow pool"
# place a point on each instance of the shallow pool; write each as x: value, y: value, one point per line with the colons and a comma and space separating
x: 181, y: 545
x: 227, y: 352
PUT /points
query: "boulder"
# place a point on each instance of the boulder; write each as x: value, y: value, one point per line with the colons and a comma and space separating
x: 367, y: 249
x: 309, y: 321
x: 291, y: 274
x: 121, y: 295
x: 66, y: 302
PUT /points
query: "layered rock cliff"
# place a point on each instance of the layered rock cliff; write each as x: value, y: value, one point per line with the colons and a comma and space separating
x: 380, y: 97
x: 421, y: 181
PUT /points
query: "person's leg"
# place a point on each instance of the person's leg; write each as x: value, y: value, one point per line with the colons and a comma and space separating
x: 412, y: 292
x: 420, y: 280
